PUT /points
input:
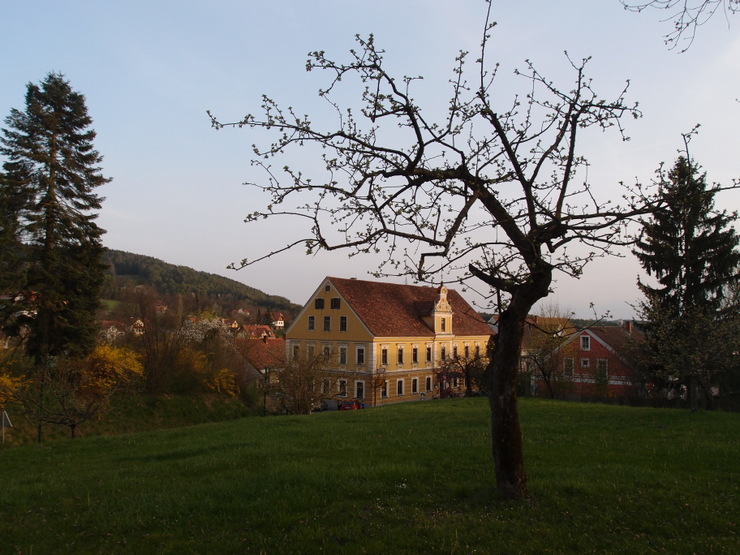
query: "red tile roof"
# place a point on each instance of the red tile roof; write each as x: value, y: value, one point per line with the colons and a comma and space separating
x: 392, y: 310
x: 264, y: 353
x: 617, y: 337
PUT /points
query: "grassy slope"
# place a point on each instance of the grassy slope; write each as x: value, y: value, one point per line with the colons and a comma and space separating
x: 133, y: 412
x: 408, y: 478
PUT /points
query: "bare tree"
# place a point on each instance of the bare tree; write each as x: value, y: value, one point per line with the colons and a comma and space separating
x: 303, y: 382
x: 491, y: 194
x: 685, y: 15
x: 545, y: 333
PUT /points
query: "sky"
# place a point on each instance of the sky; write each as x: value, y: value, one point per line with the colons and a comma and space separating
x: 150, y: 70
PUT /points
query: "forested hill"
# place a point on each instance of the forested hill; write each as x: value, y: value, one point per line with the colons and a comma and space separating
x: 129, y: 269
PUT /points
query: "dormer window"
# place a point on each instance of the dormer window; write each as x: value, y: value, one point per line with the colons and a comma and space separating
x: 585, y: 343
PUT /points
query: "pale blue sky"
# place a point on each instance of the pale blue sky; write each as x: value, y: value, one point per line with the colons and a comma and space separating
x: 150, y: 69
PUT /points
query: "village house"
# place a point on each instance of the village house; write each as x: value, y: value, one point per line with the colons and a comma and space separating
x: 278, y: 320
x: 585, y: 363
x: 255, y: 331
x: 384, y: 342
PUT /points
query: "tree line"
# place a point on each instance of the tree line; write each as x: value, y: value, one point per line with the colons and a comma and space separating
x: 128, y: 270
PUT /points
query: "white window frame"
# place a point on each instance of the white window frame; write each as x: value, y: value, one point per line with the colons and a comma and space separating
x: 585, y: 343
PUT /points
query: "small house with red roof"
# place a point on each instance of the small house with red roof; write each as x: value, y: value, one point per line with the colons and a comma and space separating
x: 595, y: 362
x: 385, y: 342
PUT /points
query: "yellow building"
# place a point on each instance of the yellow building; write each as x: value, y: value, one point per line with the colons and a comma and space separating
x: 384, y: 342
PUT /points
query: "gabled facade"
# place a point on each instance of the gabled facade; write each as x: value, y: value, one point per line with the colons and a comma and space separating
x: 385, y: 342
x: 595, y: 363
x: 278, y: 320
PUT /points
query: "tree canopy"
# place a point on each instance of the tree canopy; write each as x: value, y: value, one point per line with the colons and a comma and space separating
x: 50, y: 176
x: 686, y: 16
x: 691, y: 250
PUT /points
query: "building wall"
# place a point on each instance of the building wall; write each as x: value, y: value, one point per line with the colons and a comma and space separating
x: 346, y: 334
x: 597, y: 370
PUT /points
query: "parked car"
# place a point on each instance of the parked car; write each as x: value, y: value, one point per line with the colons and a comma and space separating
x: 351, y: 405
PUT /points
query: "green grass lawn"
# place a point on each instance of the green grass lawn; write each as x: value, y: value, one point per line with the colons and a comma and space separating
x: 413, y: 478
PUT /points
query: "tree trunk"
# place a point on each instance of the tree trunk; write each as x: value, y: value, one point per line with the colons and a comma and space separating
x: 506, y: 435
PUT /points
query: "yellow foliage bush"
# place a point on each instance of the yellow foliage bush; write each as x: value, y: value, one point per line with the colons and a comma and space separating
x: 106, y: 367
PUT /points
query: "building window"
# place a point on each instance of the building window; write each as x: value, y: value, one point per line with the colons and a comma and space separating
x: 327, y: 352
x: 327, y: 323
x: 319, y: 304
x: 466, y: 350
x: 585, y: 343
x: 568, y: 367
x: 384, y: 356
x: 443, y: 324
x: 342, y: 355
x: 454, y: 352
x: 342, y: 388
x: 335, y: 303
x: 342, y: 323
x: 602, y: 369
x: 327, y: 288
x: 444, y: 353
x: 360, y: 390
x: 400, y: 355
x: 585, y: 362
x: 311, y: 350
x: 384, y: 390
x: 429, y: 383
x: 311, y: 323
x: 477, y: 350
x: 415, y: 355
x: 399, y: 388
x: 326, y: 387
x: 415, y: 385
x: 429, y: 354
x: 360, y: 355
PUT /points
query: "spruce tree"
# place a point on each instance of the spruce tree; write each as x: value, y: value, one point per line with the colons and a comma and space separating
x: 691, y: 250
x: 51, y: 172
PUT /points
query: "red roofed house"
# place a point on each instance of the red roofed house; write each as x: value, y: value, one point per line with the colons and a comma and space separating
x: 596, y: 362
x: 385, y: 341
x: 255, y: 331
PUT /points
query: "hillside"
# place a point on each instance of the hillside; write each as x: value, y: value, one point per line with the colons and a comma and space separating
x: 130, y: 270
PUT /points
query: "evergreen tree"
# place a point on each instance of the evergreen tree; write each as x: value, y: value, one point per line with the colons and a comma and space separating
x: 50, y: 176
x: 691, y: 250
